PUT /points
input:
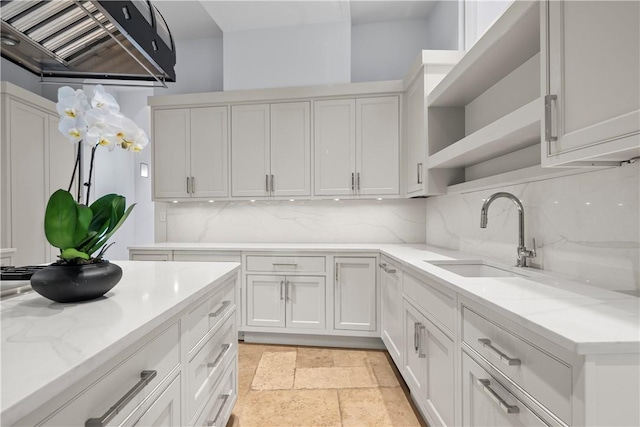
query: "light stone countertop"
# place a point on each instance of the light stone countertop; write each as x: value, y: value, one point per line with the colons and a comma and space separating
x: 582, y: 318
x: 48, y: 346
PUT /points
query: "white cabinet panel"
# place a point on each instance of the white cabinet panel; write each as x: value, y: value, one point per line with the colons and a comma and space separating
x: 165, y: 411
x: 290, y: 149
x: 250, y: 150
x: 335, y: 135
x: 305, y: 302
x: 391, y: 322
x: 266, y: 301
x: 209, y: 142
x: 413, y: 359
x: 377, y: 146
x: 592, y: 64
x: 355, y: 294
x: 171, y: 136
x: 440, y: 396
x: 416, y: 136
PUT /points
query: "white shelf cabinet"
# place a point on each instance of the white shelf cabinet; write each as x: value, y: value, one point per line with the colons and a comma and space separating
x: 286, y: 301
x: 30, y: 134
x: 270, y: 150
x: 357, y: 146
x: 190, y: 153
x: 355, y: 291
x: 593, y: 107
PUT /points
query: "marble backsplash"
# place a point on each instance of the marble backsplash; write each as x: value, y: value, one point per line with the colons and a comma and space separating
x: 323, y: 221
x: 585, y: 225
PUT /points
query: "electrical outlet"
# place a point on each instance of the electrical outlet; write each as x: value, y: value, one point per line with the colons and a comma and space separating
x: 163, y: 216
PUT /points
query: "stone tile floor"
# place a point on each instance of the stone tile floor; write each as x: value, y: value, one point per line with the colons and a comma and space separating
x: 307, y: 386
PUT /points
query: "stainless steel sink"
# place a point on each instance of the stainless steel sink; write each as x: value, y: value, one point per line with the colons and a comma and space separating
x: 468, y: 268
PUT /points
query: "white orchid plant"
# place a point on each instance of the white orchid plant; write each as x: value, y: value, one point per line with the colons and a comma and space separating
x: 80, y: 230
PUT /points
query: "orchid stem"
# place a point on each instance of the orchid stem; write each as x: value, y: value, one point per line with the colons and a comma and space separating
x: 75, y: 168
x: 88, y: 183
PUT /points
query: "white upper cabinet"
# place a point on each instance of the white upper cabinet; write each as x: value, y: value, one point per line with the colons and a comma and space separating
x: 270, y: 150
x: 190, y: 153
x: 591, y: 64
x: 357, y: 146
x: 416, y: 136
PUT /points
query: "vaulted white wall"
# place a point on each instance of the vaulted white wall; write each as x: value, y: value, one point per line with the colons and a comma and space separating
x: 290, y: 56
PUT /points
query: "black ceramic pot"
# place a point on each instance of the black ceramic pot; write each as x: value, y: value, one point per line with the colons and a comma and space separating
x: 73, y: 283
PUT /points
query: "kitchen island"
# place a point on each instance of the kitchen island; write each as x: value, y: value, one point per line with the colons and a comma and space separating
x: 65, y: 364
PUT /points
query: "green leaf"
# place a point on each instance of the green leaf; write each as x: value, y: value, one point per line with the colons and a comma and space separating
x: 117, y: 211
x: 60, y: 220
x: 82, y: 226
x: 102, y: 209
x: 71, y: 254
x: 112, y: 231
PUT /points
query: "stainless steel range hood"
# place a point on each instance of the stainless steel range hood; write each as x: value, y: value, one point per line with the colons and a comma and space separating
x: 125, y: 40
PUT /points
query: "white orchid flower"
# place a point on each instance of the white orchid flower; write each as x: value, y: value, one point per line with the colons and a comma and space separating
x: 125, y: 130
x: 140, y: 141
x: 73, y: 129
x: 104, y: 101
x: 100, y: 131
x: 71, y: 103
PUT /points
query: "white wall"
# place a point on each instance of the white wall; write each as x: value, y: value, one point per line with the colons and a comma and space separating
x: 479, y: 15
x: 329, y: 221
x: 10, y: 72
x: 385, y: 51
x: 292, y: 56
x: 198, y: 67
x: 585, y: 225
x: 442, y: 26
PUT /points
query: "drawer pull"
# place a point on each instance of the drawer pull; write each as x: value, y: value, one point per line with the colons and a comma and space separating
x: 145, y: 378
x: 486, y: 387
x: 224, y: 398
x: 421, y: 354
x: 486, y: 343
x: 225, y: 349
x: 383, y: 266
x: 416, y: 338
x: 220, y: 310
x: 289, y: 264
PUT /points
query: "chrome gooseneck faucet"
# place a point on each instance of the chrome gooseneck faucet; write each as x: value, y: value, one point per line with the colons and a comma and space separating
x: 523, y: 252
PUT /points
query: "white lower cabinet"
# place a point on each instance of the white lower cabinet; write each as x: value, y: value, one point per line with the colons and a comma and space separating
x: 485, y: 402
x: 355, y: 290
x: 391, y: 310
x: 286, y: 301
x: 165, y: 411
x: 429, y: 367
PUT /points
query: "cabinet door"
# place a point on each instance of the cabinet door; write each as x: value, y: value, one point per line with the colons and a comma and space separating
x: 29, y: 132
x: 335, y: 153
x: 209, y: 141
x: 439, y: 379
x: 416, y: 139
x: 266, y: 301
x: 250, y: 150
x: 305, y: 302
x: 165, y: 411
x: 487, y: 403
x: 377, y: 145
x: 290, y: 149
x: 593, y: 67
x: 391, y: 295
x: 414, y: 355
x: 171, y: 136
x: 355, y: 294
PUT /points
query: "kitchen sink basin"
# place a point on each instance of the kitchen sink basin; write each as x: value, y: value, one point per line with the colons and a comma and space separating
x: 474, y: 269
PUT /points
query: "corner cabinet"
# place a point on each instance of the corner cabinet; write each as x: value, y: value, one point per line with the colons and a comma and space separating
x: 357, y: 146
x: 591, y: 57
x: 270, y: 150
x: 190, y: 148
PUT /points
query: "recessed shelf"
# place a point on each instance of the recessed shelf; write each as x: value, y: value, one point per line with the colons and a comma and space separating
x: 512, y: 40
x: 512, y: 132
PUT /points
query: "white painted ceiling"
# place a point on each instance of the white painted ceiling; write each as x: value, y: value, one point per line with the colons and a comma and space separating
x: 191, y: 19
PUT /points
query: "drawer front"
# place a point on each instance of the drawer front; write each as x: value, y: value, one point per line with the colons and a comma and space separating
x: 485, y: 402
x: 222, y: 401
x: 151, y: 256
x: 161, y: 355
x: 210, y: 313
x: 206, y: 367
x: 541, y: 375
x: 206, y: 256
x: 165, y: 410
x: 433, y: 299
x: 286, y: 264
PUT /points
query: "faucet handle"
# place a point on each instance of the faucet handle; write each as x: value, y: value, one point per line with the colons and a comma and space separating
x: 533, y: 251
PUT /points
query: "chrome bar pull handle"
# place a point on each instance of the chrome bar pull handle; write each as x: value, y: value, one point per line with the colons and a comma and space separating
x: 287, y: 289
x: 421, y: 354
x: 486, y: 343
x: 391, y: 270
x: 225, y: 349
x: 145, y: 378
x: 214, y: 423
x: 266, y: 183
x: 193, y: 185
x: 548, y: 100
x: 419, y: 173
x: 272, y: 185
x: 358, y: 181
x: 486, y: 387
x: 383, y: 266
x: 415, y: 336
x: 353, y: 181
x: 223, y: 305
x: 282, y: 290
x: 188, y: 185
x: 290, y: 264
